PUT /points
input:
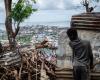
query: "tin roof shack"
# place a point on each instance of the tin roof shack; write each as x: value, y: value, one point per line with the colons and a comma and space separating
x: 88, y: 26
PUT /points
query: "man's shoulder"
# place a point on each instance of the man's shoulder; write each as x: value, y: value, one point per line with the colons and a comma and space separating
x: 86, y: 41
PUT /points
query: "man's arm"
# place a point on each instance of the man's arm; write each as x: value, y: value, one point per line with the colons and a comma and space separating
x: 72, y: 51
x: 91, y: 56
x: 1, y: 48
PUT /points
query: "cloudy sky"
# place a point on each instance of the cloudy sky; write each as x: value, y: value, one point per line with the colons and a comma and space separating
x: 49, y: 10
x: 56, y: 4
x: 44, y: 5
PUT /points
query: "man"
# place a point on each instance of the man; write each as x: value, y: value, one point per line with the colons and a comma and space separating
x: 1, y: 48
x: 82, y: 55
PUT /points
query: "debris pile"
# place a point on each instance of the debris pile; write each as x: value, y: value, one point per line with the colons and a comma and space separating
x: 27, y: 64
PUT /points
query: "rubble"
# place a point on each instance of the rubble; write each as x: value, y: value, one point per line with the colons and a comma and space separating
x: 27, y: 64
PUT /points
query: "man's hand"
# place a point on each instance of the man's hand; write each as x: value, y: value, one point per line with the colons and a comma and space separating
x: 91, y: 68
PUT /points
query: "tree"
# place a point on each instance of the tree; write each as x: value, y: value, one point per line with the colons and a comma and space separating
x: 86, y: 4
x: 18, y: 13
x: 8, y: 21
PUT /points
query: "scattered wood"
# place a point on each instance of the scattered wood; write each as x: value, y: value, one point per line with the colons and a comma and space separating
x: 31, y: 66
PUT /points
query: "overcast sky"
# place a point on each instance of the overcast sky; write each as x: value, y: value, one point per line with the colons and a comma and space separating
x: 50, y: 4
x: 56, y: 4
x: 45, y: 5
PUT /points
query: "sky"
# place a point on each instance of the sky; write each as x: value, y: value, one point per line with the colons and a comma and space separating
x: 56, y: 4
x: 49, y: 10
x: 44, y: 5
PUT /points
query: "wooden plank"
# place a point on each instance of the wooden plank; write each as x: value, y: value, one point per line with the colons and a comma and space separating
x: 86, y: 25
x: 86, y: 28
x: 63, y: 75
x: 88, y: 15
x: 86, y: 18
x: 68, y: 73
x: 86, y: 21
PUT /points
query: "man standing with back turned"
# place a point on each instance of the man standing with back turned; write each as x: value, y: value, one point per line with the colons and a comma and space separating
x: 82, y: 58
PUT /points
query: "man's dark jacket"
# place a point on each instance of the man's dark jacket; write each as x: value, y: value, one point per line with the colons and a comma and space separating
x: 82, y: 53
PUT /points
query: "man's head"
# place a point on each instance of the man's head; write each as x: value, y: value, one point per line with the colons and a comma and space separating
x: 72, y: 34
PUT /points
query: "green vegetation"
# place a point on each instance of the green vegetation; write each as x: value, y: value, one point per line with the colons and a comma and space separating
x: 21, y: 11
x: 24, y: 39
x: 16, y: 14
x: 3, y: 37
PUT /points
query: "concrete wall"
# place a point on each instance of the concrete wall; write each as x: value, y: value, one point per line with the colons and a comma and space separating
x: 65, y: 51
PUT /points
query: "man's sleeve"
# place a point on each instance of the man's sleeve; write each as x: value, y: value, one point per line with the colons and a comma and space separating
x: 91, y: 56
x: 72, y: 51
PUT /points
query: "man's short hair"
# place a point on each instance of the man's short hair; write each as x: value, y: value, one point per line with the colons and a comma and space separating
x: 72, y: 34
